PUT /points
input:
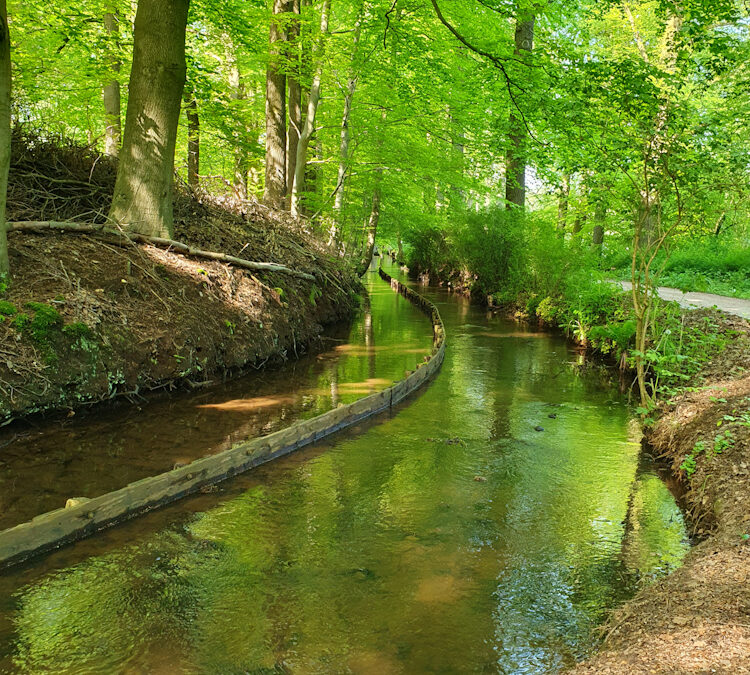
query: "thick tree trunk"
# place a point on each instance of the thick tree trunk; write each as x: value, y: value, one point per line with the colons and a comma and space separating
x: 5, y: 82
x: 142, y: 200
x: 295, y: 105
x: 276, y: 179
x: 515, y: 165
x: 308, y: 128
x: 111, y: 93
x: 194, y: 138
x: 562, y: 204
x: 351, y: 87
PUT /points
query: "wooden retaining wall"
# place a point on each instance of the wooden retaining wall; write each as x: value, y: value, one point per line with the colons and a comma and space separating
x: 53, y: 529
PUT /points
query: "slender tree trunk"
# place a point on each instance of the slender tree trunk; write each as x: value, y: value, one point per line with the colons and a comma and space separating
x: 5, y: 87
x: 111, y: 93
x: 351, y: 87
x: 562, y: 205
x: 276, y: 179
x: 371, y: 231
x: 515, y: 166
x: 142, y: 200
x: 194, y: 137
x: 295, y: 105
x: 308, y: 128
x: 237, y: 93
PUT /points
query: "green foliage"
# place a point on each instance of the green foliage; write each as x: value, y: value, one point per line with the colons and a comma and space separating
x: 7, y: 308
x: 315, y: 293
x: 690, y: 463
x: 614, y: 335
x: 721, y: 443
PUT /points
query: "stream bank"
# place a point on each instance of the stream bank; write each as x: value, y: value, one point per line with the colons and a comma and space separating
x: 84, y: 321
x: 698, y: 618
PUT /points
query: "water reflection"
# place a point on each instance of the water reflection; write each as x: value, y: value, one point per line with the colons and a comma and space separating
x: 381, y: 551
x: 86, y: 458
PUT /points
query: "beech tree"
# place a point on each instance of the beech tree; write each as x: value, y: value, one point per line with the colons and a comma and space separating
x: 142, y: 200
x: 276, y: 178
x: 308, y: 126
x: 515, y: 164
x: 111, y: 92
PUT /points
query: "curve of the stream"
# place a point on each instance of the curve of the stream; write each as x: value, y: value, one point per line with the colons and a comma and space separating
x: 487, y: 525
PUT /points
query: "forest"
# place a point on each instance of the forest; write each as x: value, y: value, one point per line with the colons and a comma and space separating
x: 197, y: 192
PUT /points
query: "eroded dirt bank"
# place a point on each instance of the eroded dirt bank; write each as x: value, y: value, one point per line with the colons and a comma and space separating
x: 85, y: 320
x: 697, y: 620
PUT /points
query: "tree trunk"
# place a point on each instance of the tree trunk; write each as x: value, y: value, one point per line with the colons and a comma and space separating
x: 142, y: 200
x: 237, y: 93
x: 351, y: 87
x: 194, y: 138
x: 298, y: 186
x: 562, y: 205
x: 515, y: 165
x: 111, y: 93
x: 400, y: 258
x: 276, y: 179
x: 5, y: 82
x: 295, y: 106
x: 372, y: 225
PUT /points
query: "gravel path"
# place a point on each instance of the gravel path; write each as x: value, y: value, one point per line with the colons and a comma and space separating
x: 735, y: 306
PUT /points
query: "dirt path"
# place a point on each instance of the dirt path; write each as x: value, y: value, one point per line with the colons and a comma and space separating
x: 735, y: 306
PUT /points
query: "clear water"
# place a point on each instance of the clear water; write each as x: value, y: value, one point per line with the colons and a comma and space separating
x: 450, y: 536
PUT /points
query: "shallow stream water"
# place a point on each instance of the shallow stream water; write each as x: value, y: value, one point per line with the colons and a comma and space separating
x: 450, y: 536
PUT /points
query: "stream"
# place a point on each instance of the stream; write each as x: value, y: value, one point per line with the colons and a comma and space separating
x: 488, y: 524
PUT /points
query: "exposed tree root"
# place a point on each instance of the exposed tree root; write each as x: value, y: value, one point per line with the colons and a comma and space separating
x: 121, y: 236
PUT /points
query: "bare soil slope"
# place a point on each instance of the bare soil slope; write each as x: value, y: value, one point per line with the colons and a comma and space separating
x: 85, y: 320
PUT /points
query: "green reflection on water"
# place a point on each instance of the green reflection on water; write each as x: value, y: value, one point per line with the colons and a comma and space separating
x: 452, y: 537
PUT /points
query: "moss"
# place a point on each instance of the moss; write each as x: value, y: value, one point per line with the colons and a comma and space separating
x: 46, y: 323
x: 7, y: 308
x: 21, y: 323
x: 77, y: 330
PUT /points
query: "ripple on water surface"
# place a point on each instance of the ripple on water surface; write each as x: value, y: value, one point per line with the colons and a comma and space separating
x: 450, y: 537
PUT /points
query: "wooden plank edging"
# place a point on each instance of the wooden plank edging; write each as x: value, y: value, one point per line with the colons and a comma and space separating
x: 56, y: 528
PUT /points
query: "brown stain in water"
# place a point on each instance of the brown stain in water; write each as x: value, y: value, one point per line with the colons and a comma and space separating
x: 246, y: 404
x: 442, y: 588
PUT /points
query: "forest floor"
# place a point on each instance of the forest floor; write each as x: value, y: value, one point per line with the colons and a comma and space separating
x: 697, y: 620
x: 85, y: 320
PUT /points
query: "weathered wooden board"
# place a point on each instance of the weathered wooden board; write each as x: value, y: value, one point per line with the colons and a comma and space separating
x: 55, y: 528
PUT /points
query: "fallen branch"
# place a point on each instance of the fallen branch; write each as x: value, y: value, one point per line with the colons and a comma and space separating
x: 85, y: 228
